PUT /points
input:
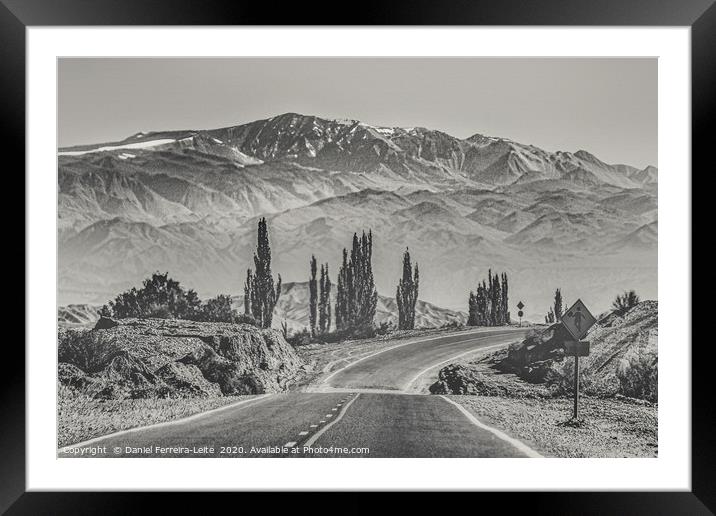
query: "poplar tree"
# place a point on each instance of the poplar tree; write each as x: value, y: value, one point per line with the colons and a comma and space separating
x: 324, y: 301
x: 505, y: 300
x: 483, y: 311
x: 472, y: 310
x: 313, y: 296
x: 558, y: 305
x: 356, y: 297
x: 407, y: 294
x: 342, y: 294
x: 248, y: 292
x: 549, y: 318
x: 259, y: 286
x: 494, y: 299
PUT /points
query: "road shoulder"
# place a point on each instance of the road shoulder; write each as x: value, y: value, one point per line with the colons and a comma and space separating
x: 612, y: 428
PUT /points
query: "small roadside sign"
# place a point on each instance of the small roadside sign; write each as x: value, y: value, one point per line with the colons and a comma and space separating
x: 577, y: 320
x: 576, y: 348
x: 520, y: 313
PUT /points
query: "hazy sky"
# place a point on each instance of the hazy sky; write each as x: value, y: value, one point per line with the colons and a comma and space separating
x: 605, y: 106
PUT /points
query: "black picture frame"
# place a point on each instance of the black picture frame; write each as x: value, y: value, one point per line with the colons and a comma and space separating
x: 700, y: 15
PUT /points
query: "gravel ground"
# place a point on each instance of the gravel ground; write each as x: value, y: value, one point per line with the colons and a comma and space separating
x: 80, y: 418
x: 612, y: 427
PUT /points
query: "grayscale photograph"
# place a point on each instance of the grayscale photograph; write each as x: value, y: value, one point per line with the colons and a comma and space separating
x: 357, y: 257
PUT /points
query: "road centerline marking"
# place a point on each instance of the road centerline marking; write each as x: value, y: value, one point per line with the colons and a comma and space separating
x: 497, y: 433
x: 329, y: 425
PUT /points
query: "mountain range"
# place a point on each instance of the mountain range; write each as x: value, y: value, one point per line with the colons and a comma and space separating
x: 188, y: 202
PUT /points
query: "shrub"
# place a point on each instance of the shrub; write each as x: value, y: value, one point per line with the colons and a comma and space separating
x: 560, y: 378
x: 364, y: 331
x: 83, y: 348
x: 638, y: 373
x: 160, y: 297
x: 246, y: 319
x: 217, y: 309
x: 163, y: 298
x: 300, y: 338
x: 334, y: 336
x: 384, y: 328
x: 625, y: 302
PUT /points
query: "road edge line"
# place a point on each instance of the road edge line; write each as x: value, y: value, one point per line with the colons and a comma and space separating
x: 191, y: 417
x: 460, y: 355
x: 325, y: 380
x: 323, y: 430
x: 498, y: 433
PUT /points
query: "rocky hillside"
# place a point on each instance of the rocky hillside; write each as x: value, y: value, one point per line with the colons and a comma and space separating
x: 623, y: 360
x: 80, y: 315
x: 188, y: 202
x: 150, y: 358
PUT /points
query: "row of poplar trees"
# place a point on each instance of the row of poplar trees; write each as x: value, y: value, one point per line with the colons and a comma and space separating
x: 356, y: 295
x: 488, y: 305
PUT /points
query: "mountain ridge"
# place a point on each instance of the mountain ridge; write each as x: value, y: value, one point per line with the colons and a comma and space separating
x: 188, y: 202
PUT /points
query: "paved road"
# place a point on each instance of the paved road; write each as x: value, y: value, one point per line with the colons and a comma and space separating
x: 396, y: 425
x: 339, y: 422
x: 398, y: 368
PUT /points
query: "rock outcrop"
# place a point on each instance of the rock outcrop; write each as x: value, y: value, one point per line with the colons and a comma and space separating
x: 133, y: 358
x: 532, y: 358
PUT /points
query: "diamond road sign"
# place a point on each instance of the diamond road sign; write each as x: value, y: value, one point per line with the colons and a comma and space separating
x: 520, y: 305
x: 577, y: 320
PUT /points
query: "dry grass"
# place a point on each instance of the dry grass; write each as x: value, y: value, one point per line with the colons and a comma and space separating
x: 611, y: 428
x: 80, y: 418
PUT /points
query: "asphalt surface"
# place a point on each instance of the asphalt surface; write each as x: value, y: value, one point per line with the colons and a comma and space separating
x: 397, y: 368
x: 396, y: 425
x: 363, y: 411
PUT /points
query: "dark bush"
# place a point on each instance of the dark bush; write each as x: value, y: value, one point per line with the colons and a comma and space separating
x: 159, y: 297
x: 217, y: 309
x: 384, y: 328
x: 163, y: 298
x: 246, y: 319
x: 300, y: 338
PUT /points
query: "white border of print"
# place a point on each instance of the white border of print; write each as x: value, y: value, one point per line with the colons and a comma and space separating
x: 671, y: 470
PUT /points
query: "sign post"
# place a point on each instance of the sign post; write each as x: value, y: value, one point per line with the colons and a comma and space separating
x: 575, y: 414
x: 520, y: 313
x: 577, y: 321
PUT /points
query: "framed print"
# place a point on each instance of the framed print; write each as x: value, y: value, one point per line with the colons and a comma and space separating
x: 429, y: 250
